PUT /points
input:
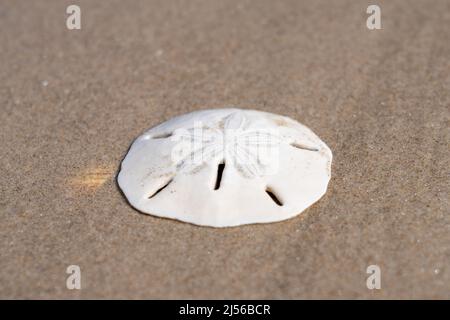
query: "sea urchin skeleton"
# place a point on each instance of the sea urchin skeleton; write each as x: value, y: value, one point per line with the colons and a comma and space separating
x: 226, y: 167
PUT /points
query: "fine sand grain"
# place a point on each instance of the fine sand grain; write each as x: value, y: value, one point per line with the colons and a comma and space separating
x: 73, y: 101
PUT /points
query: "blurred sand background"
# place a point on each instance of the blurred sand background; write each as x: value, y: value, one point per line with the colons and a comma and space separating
x: 73, y: 101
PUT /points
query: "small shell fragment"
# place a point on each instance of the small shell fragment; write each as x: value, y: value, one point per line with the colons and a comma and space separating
x: 226, y: 167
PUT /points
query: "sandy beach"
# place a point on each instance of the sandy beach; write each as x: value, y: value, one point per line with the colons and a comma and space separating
x: 72, y: 101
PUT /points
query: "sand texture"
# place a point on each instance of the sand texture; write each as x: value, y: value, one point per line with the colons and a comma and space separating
x: 72, y: 101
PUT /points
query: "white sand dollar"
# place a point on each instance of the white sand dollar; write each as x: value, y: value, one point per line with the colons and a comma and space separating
x: 226, y: 167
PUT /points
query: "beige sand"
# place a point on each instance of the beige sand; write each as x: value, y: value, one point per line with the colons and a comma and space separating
x: 72, y: 102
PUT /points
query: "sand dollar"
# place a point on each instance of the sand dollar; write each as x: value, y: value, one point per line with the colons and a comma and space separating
x: 226, y: 167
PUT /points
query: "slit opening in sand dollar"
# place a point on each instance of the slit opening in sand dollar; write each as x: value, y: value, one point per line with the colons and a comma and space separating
x: 304, y: 147
x: 160, y: 189
x: 273, y: 196
x: 162, y: 135
x: 220, y: 169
